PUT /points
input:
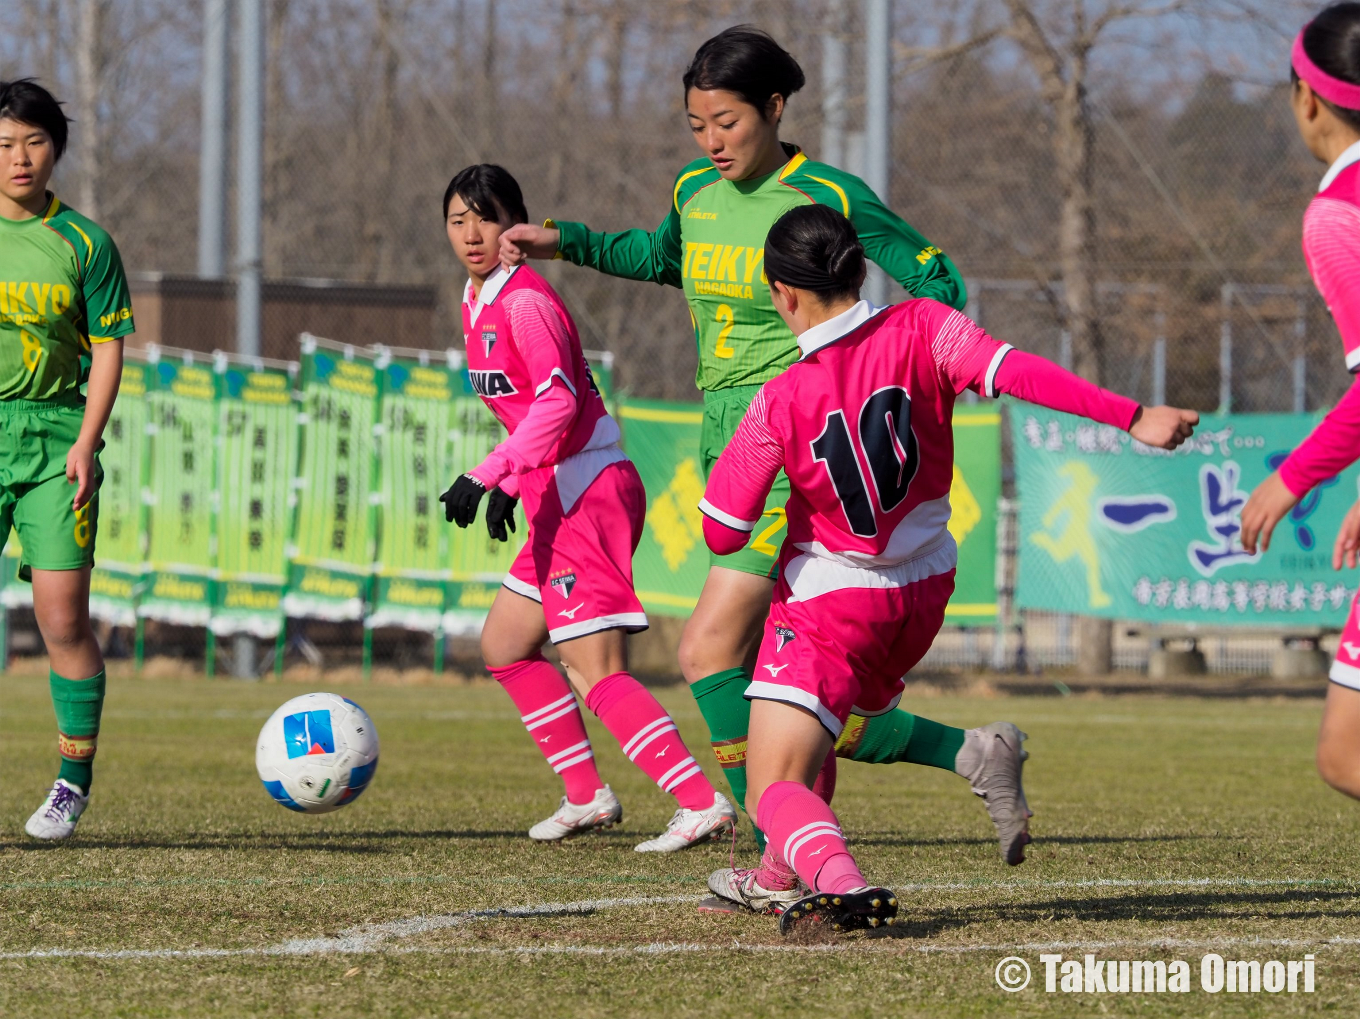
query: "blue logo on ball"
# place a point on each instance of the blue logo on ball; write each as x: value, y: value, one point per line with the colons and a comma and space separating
x: 308, y: 732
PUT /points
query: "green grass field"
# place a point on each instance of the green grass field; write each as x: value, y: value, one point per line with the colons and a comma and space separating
x: 1165, y: 829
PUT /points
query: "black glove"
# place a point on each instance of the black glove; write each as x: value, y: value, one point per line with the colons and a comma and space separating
x: 460, y: 501
x: 500, y: 514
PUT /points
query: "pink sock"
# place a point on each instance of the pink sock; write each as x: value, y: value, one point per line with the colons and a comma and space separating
x: 804, y: 831
x: 649, y: 739
x: 548, y: 709
x: 773, y: 873
x: 825, y: 784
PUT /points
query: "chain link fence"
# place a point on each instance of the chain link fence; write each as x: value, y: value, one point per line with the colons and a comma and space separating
x: 1198, y: 182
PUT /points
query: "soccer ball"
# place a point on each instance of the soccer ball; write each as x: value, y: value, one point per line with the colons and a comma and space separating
x: 317, y: 753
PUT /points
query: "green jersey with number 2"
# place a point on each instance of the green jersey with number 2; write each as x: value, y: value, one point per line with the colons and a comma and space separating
x: 712, y: 244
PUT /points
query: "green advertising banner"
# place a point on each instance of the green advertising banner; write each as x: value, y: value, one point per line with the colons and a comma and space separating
x: 418, y: 396
x: 671, y: 562
x: 120, y: 562
x: 333, y: 530
x: 973, y: 496
x: 477, y: 563
x: 182, y: 402
x: 257, y: 434
x: 1110, y: 527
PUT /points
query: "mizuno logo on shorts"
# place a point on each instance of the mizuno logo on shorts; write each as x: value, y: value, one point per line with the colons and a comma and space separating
x: 491, y: 384
x: 775, y: 670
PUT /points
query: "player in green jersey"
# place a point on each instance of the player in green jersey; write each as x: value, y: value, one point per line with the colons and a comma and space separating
x: 711, y: 245
x: 64, y: 308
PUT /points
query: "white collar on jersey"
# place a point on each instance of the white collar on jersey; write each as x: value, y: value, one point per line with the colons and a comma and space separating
x: 834, y: 328
x: 491, y: 289
x: 1347, y: 158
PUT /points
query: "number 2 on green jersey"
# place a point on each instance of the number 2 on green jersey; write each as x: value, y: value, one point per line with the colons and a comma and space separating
x: 725, y: 316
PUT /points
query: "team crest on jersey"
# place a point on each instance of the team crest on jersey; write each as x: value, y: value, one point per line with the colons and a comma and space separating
x: 782, y: 635
x: 488, y: 338
x: 562, y: 582
x: 491, y: 384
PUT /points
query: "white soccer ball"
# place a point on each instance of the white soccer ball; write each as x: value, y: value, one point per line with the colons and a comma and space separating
x: 317, y: 753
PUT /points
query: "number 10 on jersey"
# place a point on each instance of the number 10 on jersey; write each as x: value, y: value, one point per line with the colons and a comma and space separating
x: 890, y: 450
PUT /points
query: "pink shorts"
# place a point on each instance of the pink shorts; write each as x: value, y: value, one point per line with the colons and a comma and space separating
x: 578, y: 564
x: 1346, y: 668
x: 846, y: 651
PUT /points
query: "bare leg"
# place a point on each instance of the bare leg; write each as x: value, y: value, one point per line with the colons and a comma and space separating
x: 724, y: 631
x: 61, y: 602
x: 787, y: 744
x: 1338, y: 751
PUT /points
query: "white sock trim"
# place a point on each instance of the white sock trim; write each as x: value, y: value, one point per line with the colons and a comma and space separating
x: 628, y: 747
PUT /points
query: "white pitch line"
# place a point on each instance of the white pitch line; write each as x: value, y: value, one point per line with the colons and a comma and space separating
x: 370, y: 938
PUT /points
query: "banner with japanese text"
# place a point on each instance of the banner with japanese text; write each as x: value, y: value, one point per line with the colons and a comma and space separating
x: 1110, y: 527
x: 257, y: 441
x: 121, y: 541
x: 418, y: 396
x: 182, y: 402
x: 333, y: 531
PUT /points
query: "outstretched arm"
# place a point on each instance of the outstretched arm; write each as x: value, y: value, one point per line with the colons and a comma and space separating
x: 970, y: 359
x: 741, y: 480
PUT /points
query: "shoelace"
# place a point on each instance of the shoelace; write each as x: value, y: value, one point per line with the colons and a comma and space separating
x: 61, y: 800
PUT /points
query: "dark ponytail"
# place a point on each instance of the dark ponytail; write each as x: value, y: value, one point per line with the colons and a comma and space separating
x: 813, y: 247
x: 748, y: 62
x: 1332, y: 42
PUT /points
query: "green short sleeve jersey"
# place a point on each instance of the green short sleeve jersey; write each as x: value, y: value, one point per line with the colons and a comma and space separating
x: 712, y: 244
x: 62, y: 287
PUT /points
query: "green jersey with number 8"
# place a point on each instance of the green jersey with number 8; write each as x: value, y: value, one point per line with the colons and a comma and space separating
x: 712, y: 244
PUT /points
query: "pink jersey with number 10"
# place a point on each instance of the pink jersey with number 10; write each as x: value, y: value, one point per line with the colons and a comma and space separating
x: 862, y: 425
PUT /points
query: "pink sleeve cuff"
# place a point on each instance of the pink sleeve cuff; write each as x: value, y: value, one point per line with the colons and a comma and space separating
x: 721, y: 539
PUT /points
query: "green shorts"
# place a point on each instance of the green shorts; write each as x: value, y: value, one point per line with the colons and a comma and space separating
x: 723, y: 411
x: 35, y: 497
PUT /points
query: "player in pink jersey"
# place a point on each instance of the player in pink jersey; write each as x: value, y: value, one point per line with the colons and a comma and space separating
x: 862, y: 426
x: 572, y: 583
x: 1326, y: 102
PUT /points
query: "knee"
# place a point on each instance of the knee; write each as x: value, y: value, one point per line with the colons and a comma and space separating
x: 695, y: 652
x: 497, y: 653
x: 1339, y: 768
x: 65, y: 630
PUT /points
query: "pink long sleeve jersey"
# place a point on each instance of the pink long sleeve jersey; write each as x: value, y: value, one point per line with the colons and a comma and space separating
x: 1331, y: 248
x: 525, y: 362
x: 862, y: 425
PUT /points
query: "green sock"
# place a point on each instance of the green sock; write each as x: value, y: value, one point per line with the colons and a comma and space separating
x: 899, y: 736
x: 78, y: 703
x: 722, y: 702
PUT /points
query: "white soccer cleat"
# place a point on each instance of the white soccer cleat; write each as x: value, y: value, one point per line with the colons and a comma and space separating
x: 569, y: 819
x: 690, y: 827
x: 738, y: 885
x: 57, y: 817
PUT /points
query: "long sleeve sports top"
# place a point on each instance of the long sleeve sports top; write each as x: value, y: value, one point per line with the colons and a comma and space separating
x: 712, y: 245
x: 1331, y: 247
x: 862, y: 425
x: 525, y: 362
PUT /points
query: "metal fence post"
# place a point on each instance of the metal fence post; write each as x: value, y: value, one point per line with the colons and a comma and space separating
x: 1300, y: 359
x: 833, y: 85
x: 1225, y: 353
x: 878, y: 121
x: 249, y: 209
x: 1159, y: 362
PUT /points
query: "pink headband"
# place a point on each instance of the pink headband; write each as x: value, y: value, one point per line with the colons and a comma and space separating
x: 1334, y: 90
